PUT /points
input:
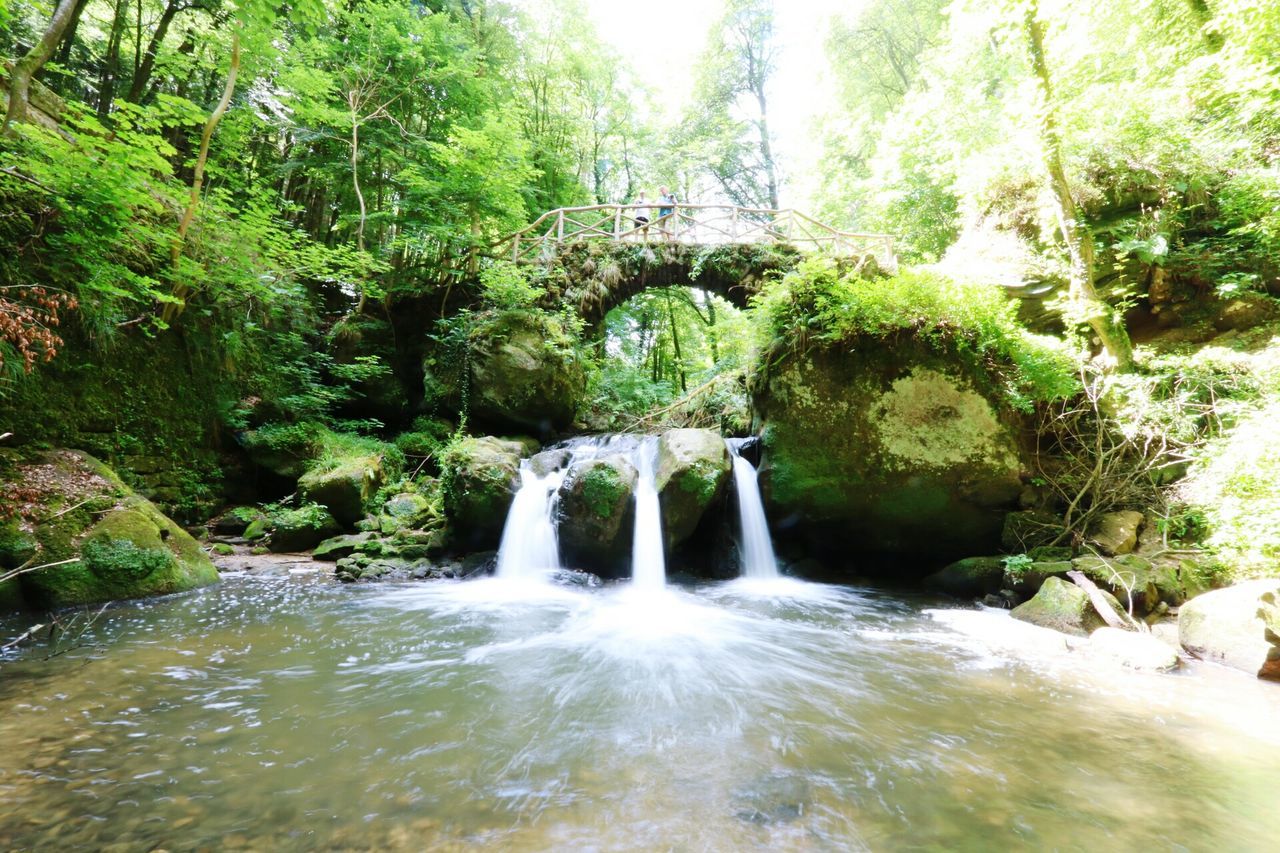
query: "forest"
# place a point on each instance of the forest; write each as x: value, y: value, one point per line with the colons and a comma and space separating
x: 581, y: 393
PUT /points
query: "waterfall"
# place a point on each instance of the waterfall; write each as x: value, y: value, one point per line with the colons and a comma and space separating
x: 756, y: 548
x: 529, y: 549
x: 648, y: 565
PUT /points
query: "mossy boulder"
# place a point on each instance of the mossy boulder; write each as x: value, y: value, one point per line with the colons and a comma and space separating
x: 301, y: 529
x: 1238, y: 626
x: 236, y: 521
x: 408, y: 511
x: 337, y: 547
x: 479, y: 477
x: 345, y: 488
x: 693, y: 470
x: 597, y: 515
x: 972, y: 576
x: 110, y: 542
x: 525, y: 372
x: 898, y: 448
x: 283, y: 450
x: 1064, y: 607
x: 1116, y: 533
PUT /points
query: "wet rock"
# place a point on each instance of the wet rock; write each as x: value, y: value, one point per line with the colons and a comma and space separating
x: 547, y: 461
x: 301, y: 529
x: 1063, y: 607
x: 898, y: 449
x: 573, y: 577
x: 1116, y: 533
x: 337, y: 547
x: 1238, y: 626
x: 222, y: 549
x: 346, y: 489
x: 693, y: 470
x: 479, y: 563
x: 972, y: 576
x: 1133, y: 649
x: 480, y: 477
x: 597, y: 514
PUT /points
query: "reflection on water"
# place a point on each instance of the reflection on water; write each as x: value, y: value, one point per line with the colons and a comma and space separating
x: 287, y: 712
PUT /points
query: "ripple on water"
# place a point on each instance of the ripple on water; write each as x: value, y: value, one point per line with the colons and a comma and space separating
x: 288, y: 712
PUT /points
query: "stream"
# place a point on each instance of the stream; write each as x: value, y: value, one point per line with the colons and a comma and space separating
x: 282, y: 710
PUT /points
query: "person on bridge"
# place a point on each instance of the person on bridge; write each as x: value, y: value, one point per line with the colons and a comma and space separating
x: 642, y: 213
x: 667, y: 200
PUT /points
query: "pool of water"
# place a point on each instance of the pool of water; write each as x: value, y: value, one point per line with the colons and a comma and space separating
x: 283, y: 711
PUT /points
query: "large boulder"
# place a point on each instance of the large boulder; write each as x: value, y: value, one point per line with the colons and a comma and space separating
x: 693, y: 469
x: 1116, y: 533
x: 1238, y: 626
x: 524, y: 372
x: 898, y: 449
x: 479, y: 477
x: 597, y: 515
x: 346, y: 487
x: 1064, y: 607
x: 972, y: 576
x: 301, y: 529
x: 109, y: 542
x: 408, y: 511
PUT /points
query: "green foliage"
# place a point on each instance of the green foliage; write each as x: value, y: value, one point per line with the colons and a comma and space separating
x: 1017, y: 564
x: 821, y: 304
x: 506, y: 286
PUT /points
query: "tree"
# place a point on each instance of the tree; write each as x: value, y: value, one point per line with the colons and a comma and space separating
x: 1085, y: 304
x: 33, y: 60
x: 729, y: 121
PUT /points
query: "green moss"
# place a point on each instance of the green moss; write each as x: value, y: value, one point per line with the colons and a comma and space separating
x: 602, y: 489
x: 133, y: 551
x: 222, y: 549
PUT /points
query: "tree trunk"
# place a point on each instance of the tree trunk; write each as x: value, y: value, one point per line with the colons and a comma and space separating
x: 766, y: 150
x: 143, y: 75
x: 1085, y: 305
x: 26, y: 67
x: 111, y: 63
x: 180, y: 289
x: 69, y: 37
x: 675, y: 342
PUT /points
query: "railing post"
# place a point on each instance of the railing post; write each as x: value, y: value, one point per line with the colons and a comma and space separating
x: 515, y: 249
x: 733, y: 224
x: 560, y: 227
x: 617, y: 221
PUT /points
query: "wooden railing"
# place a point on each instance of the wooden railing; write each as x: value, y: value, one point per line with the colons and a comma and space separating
x: 695, y: 224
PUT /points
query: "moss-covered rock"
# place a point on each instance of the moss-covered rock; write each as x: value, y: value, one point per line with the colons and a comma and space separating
x: 972, y: 576
x: 479, y: 477
x: 1063, y: 607
x: 891, y: 447
x: 337, y: 547
x: 693, y: 470
x: 407, y: 511
x: 258, y: 528
x: 525, y: 372
x: 110, y: 543
x: 597, y: 515
x: 345, y: 488
x: 1116, y: 533
x: 301, y: 529
x: 236, y: 521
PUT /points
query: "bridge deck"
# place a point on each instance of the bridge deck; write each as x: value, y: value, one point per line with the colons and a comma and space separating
x: 694, y: 224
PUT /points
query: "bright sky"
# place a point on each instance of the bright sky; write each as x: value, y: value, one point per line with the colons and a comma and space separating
x: 663, y: 38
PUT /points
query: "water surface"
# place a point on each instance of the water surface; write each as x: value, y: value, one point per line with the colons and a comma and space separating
x: 284, y: 711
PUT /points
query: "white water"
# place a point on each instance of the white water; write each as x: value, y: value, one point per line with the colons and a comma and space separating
x: 529, y: 549
x: 648, y: 564
x: 755, y: 547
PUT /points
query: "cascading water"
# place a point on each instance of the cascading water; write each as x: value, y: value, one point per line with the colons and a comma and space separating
x: 648, y: 564
x: 529, y: 550
x: 756, y: 547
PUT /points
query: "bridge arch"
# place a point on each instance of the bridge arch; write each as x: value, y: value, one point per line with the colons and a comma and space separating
x: 598, y: 257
